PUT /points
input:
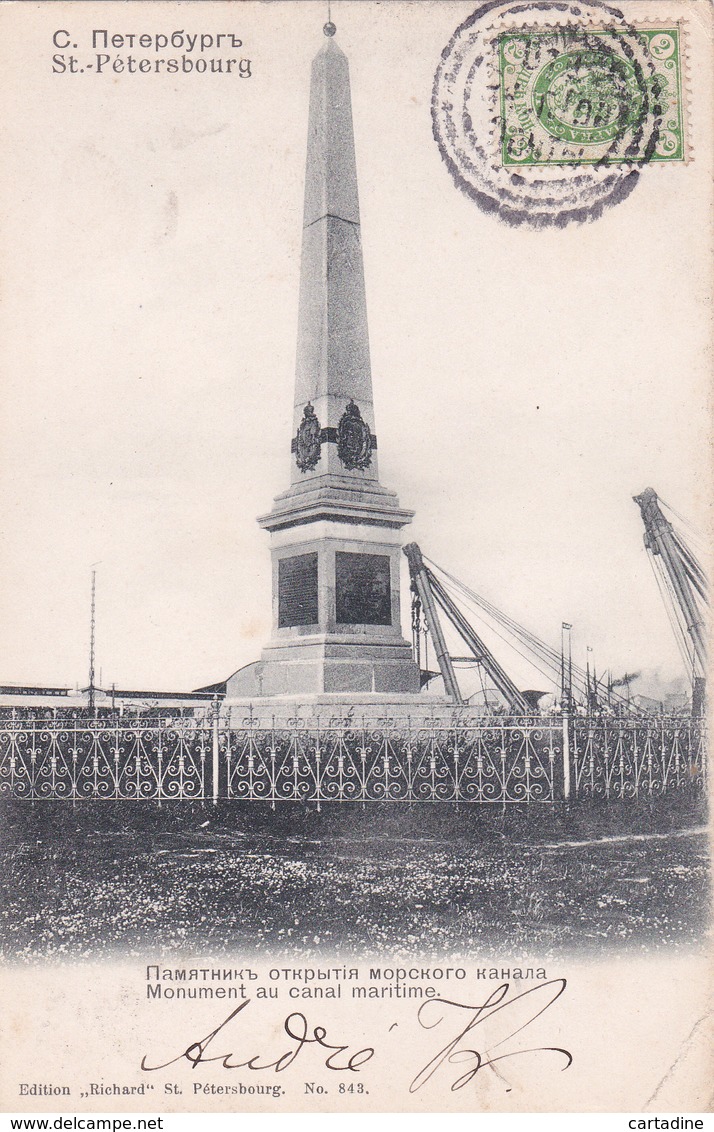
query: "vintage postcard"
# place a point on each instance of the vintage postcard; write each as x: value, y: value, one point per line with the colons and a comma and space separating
x: 356, y: 484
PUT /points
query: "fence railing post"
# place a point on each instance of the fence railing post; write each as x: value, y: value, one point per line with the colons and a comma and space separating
x: 566, y: 757
x: 215, y: 764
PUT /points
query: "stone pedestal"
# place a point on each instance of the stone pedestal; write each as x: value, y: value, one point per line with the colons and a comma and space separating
x: 336, y: 615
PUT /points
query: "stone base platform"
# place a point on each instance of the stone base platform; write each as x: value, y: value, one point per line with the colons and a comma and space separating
x: 333, y: 709
x: 328, y: 668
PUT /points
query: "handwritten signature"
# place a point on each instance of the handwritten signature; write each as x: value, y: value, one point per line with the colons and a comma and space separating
x: 512, y: 1015
x: 297, y: 1029
x: 513, y: 1011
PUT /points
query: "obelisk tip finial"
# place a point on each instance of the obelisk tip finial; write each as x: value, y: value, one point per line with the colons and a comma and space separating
x: 329, y: 29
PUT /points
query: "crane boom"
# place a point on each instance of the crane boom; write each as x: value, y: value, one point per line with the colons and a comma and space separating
x: 682, y: 572
x: 501, y: 679
x: 420, y: 580
x: 432, y: 593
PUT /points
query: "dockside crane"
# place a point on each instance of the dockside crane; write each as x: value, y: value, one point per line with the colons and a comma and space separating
x: 684, y: 588
x: 431, y: 594
x: 435, y: 590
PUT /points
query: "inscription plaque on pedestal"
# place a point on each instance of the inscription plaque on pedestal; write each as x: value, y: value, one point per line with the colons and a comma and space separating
x: 363, y: 593
x: 297, y: 590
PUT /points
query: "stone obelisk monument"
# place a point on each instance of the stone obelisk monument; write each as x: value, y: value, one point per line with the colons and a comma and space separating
x: 335, y: 533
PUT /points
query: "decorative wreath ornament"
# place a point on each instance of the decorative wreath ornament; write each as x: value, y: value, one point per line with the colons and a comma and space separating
x: 308, y: 442
x: 354, y: 439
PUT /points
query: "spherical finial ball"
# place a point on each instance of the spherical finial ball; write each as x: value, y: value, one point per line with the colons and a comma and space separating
x: 329, y: 29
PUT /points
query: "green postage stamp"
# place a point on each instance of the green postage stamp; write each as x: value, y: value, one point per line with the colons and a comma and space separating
x: 575, y: 96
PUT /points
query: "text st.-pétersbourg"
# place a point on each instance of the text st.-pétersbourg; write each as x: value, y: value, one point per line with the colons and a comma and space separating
x: 193, y: 59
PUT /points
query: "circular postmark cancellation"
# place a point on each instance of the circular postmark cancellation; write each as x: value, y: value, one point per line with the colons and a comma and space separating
x: 546, y: 113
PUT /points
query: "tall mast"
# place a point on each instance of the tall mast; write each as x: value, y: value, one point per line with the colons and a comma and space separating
x: 91, y: 641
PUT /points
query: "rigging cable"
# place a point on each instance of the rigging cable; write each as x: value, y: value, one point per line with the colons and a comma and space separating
x: 547, y: 653
x: 549, y: 656
x: 674, y: 614
x: 524, y: 655
x: 694, y: 534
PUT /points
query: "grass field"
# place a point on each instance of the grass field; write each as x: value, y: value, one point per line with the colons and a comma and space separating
x: 75, y: 886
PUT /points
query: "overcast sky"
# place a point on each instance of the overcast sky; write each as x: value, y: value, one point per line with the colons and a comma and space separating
x: 526, y: 384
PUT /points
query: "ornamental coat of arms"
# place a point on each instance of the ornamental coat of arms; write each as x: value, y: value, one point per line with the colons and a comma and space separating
x: 354, y: 439
x: 308, y: 442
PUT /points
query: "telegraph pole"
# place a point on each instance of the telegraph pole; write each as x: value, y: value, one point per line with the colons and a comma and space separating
x: 91, y: 640
x: 566, y: 669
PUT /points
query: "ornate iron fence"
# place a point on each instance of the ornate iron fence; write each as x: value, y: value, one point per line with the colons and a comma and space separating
x: 631, y: 758
x: 81, y: 759
x: 496, y: 760
x: 435, y: 762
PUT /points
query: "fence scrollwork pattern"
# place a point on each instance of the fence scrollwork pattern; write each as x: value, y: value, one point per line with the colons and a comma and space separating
x: 497, y: 760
